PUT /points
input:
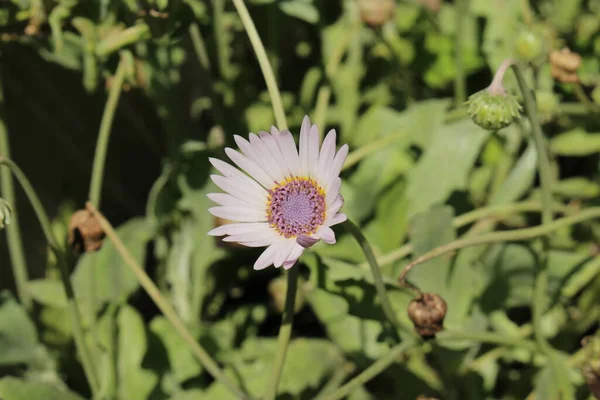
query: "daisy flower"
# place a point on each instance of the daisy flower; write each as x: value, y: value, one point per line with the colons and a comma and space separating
x: 286, y: 200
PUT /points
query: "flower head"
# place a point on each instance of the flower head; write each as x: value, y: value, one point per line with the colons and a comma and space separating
x: 287, y: 199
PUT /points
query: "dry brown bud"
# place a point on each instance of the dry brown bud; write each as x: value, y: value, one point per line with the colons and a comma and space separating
x: 427, y: 312
x: 85, y: 233
x: 564, y: 65
x: 376, y: 12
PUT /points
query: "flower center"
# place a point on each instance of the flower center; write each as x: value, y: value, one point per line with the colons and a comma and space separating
x: 296, y: 207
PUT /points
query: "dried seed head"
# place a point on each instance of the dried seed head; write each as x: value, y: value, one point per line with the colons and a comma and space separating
x: 376, y: 12
x: 5, y: 213
x: 427, y: 312
x: 85, y: 233
x: 564, y: 65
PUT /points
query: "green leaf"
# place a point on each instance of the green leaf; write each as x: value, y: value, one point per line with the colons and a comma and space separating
x: 429, y: 230
x: 48, y: 292
x: 449, y: 159
x: 519, y: 180
x: 135, y: 383
x: 18, y: 337
x: 301, y: 9
x: 576, y: 142
x: 18, y: 389
x: 103, y: 277
x: 577, y: 188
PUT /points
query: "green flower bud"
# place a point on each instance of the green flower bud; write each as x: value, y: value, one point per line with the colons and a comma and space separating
x: 5, y: 213
x: 528, y: 46
x: 547, y: 105
x: 493, y: 110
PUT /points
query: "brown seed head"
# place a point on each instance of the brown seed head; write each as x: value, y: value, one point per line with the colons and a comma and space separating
x: 564, y: 65
x: 427, y: 312
x: 85, y: 233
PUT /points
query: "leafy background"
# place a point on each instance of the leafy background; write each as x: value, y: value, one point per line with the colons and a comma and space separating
x: 390, y: 84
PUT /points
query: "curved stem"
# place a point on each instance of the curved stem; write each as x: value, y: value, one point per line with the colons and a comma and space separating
x: 505, y: 236
x: 375, y: 369
x: 86, y: 360
x: 104, y: 135
x: 13, y: 231
x: 163, y: 304
x: 470, y: 217
x: 285, y: 333
x: 377, y: 278
x: 263, y: 60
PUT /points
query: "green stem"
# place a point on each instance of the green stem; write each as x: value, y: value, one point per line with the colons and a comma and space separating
x: 104, y: 135
x: 88, y: 367
x: 13, y: 231
x: 336, y: 380
x: 199, y: 46
x: 355, y: 231
x: 285, y: 333
x: 376, y: 145
x: 164, y: 306
x: 497, y: 211
x: 263, y: 60
x: 124, y: 38
x: 460, y: 85
x: 505, y: 236
x: 488, y: 337
x: 375, y: 369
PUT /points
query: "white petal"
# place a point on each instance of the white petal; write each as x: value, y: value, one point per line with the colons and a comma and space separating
x: 338, y: 162
x: 241, y: 214
x: 336, y: 205
x: 253, y: 169
x: 304, y: 145
x: 234, y: 229
x: 306, y: 241
x: 333, y: 190
x: 243, y: 189
x: 337, y: 219
x: 258, y: 243
x: 287, y: 145
x: 225, y: 199
x: 326, y: 233
x: 326, y: 158
x: 313, y: 151
x: 283, y: 253
x: 269, y: 162
x: 293, y: 256
x: 271, y: 144
x: 266, y: 258
x: 266, y: 233
x: 224, y: 168
x: 251, y: 152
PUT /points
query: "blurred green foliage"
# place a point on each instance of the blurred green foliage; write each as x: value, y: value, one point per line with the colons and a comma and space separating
x: 382, y: 73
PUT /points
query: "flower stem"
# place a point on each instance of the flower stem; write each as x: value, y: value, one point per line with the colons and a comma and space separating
x: 375, y: 369
x: 355, y: 231
x: 88, y: 367
x: 263, y: 60
x: 285, y: 333
x: 163, y: 304
x: 104, y: 135
x: 504, y: 236
x: 13, y: 231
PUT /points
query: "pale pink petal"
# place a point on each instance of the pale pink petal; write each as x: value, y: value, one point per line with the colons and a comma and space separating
x: 241, y: 214
x: 333, y: 190
x: 234, y: 229
x: 304, y: 161
x: 253, y: 169
x: 326, y: 158
x: 225, y: 199
x: 242, y: 189
x: 336, y: 205
x: 266, y: 258
x: 283, y: 253
x: 306, y: 241
x: 286, y: 144
x: 258, y: 243
x: 338, y: 162
x: 337, y: 219
x: 271, y: 144
x: 313, y: 151
x: 266, y: 233
x: 251, y: 152
x: 326, y: 233
x: 267, y: 158
x: 293, y: 256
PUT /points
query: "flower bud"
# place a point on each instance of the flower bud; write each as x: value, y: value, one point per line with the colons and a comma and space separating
x: 5, y: 213
x: 427, y: 312
x: 547, y: 105
x: 85, y: 233
x: 528, y: 46
x: 493, y: 110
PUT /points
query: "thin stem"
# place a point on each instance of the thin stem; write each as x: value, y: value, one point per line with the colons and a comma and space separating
x: 88, y: 367
x: 285, y: 333
x: 505, y: 236
x: 488, y: 337
x: 199, y: 46
x: 376, y: 145
x: 336, y: 379
x: 13, y: 231
x: 163, y: 304
x: 263, y: 60
x: 355, y: 231
x: 496, y: 211
x: 124, y: 38
x: 375, y: 369
x: 104, y: 135
x: 460, y: 84
x: 221, y: 39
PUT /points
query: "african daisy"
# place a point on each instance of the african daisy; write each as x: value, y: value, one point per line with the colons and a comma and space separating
x: 287, y: 200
